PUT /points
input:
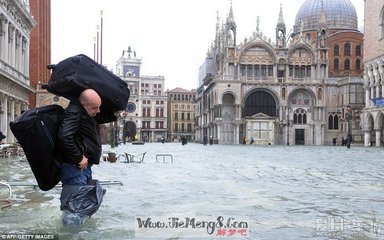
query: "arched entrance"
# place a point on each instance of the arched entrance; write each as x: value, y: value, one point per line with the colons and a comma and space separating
x: 260, y: 113
x: 129, y: 131
x: 299, y: 115
x: 228, y: 113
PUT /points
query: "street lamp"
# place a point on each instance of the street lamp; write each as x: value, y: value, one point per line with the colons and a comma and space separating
x: 348, y: 116
x: 289, y: 124
x: 287, y: 132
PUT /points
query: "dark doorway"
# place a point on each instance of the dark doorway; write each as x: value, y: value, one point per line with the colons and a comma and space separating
x: 260, y: 102
x: 299, y: 137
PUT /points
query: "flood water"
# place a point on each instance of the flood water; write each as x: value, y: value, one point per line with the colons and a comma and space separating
x: 266, y: 192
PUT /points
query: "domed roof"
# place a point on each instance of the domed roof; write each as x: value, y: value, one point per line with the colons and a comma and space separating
x: 339, y: 14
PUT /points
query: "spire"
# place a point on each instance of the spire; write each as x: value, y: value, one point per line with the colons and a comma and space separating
x: 281, y: 30
x: 322, y: 31
x: 323, y: 20
x: 281, y: 22
x: 230, y: 28
x: 258, y: 24
x: 230, y: 18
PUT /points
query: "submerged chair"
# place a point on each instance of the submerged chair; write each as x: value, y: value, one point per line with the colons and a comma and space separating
x: 4, y: 203
x: 4, y: 152
x: 139, y: 158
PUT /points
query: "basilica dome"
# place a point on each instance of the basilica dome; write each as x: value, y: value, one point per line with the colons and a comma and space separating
x: 339, y: 14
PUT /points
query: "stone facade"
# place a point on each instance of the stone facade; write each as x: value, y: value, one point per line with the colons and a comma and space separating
x: 16, y: 22
x: 146, y: 115
x: 373, y: 113
x: 295, y: 90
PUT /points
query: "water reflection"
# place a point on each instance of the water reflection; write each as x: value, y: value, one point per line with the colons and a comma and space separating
x: 288, y: 192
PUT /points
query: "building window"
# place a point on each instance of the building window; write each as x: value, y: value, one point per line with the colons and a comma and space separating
x: 336, y: 64
x: 176, y: 127
x: 300, y: 116
x: 358, y: 50
x: 257, y: 70
x: 242, y: 70
x: 308, y: 71
x: 358, y: 64
x: 333, y: 121
x: 249, y: 71
x: 146, y: 124
x: 263, y: 70
x: 189, y: 127
x: 159, y: 125
x: 336, y: 50
x: 176, y: 116
x: 347, y: 49
x: 347, y: 64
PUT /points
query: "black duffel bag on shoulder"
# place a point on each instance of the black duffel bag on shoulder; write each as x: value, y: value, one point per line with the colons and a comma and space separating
x: 75, y: 74
x: 36, y: 131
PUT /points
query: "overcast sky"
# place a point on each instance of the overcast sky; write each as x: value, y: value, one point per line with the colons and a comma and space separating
x: 170, y: 36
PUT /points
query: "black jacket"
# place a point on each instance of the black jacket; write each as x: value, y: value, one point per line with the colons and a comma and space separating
x: 78, y: 134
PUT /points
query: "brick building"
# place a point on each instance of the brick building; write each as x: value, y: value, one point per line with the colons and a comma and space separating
x: 40, y: 50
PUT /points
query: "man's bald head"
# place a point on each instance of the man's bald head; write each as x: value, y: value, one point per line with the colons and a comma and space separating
x: 91, y: 101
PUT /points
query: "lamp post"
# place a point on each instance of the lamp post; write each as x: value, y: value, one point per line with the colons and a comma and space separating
x: 287, y: 132
x: 112, y: 136
x: 288, y: 123
x: 348, y: 116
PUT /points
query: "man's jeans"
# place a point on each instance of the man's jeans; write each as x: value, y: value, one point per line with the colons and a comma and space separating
x: 73, y: 175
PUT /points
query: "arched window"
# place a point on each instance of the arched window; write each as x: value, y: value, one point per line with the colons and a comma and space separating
x: 300, y: 116
x: 347, y: 64
x: 347, y: 49
x: 333, y: 121
x: 358, y: 64
x: 336, y: 64
x: 283, y: 93
x: 336, y: 50
x: 358, y: 50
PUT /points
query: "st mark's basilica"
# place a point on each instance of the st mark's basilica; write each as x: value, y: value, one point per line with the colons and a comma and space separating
x: 303, y: 88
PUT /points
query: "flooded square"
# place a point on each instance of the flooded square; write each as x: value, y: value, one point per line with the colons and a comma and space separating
x: 270, y: 192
